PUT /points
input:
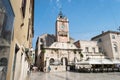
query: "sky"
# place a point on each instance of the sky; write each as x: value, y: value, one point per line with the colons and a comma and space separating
x: 87, y: 18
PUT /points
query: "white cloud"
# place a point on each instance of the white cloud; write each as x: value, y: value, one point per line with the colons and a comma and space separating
x: 57, y: 0
x: 69, y: 0
x: 58, y: 3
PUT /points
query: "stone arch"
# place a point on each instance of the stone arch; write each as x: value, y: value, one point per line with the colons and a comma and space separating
x: 115, y: 47
x: 66, y: 60
x: 51, y: 61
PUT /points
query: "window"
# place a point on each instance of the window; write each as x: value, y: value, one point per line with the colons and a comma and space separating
x: 41, y: 40
x: 100, y: 50
x: 2, y: 19
x: 3, y: 61
x: 115, y: 47
x: 86, y: 49
x: 28, y: 33
x: 6, y: 32
x: 113, y: 36
x: 30, y: 6
x: 52, y: 61
x: 100, y: 40
x: 93, y: 49
x: 41, y: 46
x: 23, y: 7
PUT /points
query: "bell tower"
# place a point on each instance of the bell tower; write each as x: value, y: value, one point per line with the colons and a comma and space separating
x: 62, y: 28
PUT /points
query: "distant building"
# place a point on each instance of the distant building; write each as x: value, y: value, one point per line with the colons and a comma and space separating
x: 44, y: 40
x: 56, y: 52
x: 103, y: 49
x: 32, y: 56
x: 109, y: 44
x: 89, y: 49
x: 59, y: 52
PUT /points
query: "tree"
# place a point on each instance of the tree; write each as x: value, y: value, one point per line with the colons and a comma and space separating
x: 43, y: 50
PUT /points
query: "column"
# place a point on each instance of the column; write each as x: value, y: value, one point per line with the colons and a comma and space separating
x: 47, y: 62
x: 63, y: 61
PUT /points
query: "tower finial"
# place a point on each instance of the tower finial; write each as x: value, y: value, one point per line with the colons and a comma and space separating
x: 60, y: 13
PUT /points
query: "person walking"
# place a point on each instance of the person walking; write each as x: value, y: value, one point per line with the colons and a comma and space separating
x: 49, y: 69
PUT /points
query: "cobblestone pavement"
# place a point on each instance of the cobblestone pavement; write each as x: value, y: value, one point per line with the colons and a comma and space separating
x: 75, y: 76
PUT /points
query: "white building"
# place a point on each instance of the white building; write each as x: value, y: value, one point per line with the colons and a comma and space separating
x: 109, y: 44
x: 103, y: 49
x: 89, y: 49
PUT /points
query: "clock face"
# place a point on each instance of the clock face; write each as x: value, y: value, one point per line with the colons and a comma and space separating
x: 62, y: 27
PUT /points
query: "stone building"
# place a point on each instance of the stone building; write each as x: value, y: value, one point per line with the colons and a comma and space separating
x: 44, y: 40
x: 56, y: 52
x: 16, y: 33
x: 109, y: 44
x: 89, y: 49
x: 103, y: 49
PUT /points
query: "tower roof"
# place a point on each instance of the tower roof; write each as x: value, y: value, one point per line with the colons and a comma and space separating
x: 61, y: 14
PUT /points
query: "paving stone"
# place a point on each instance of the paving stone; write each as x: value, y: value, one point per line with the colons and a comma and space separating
x: 75, y: 76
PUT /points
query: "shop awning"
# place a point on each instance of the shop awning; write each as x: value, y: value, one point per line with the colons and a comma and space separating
x: 106, y: 61
x: 116, y: 61
x: 83, y: 63
x: 95, y: 61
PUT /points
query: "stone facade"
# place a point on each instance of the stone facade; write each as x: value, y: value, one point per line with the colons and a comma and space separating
x: 16, y: 33
x: 62, y: 28
x: 109, y: 44
x: 103, y: 49
x: 89, y: 49
x: 56, y: 52
x: 44, y: 40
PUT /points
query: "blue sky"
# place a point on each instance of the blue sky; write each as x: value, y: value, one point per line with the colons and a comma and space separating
x: 87, y: 18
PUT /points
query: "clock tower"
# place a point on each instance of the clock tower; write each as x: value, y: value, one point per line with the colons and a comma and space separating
x: 62, y: 28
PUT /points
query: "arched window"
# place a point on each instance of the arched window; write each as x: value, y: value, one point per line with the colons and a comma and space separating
x: 115, y: 47
x: 66, y: 61
x: 3, y: 62
x: 52, y: 61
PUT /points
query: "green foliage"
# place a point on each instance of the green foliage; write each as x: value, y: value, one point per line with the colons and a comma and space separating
x: 43, y: 51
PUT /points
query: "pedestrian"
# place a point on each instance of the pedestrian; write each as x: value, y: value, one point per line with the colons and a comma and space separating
x: 31, y: 68
x: 49, y: 69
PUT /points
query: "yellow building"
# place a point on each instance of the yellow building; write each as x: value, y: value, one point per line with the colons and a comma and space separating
x: 16, y: 33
